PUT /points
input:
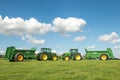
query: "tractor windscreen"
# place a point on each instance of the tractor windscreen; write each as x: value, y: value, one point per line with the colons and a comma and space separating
x: 74, y: 51
x: 46, y: 50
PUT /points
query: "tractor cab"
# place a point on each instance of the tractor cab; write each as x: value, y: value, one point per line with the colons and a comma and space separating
x: 45, y: 50
x: 74, y: 50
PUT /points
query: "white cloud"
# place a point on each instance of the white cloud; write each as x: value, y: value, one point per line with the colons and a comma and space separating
x: 19, y: 26
x: 113, y: 38
x: 22, y: 48
x: 60, y: 53
x: 91, y: 47
x: 116, y: 41
x: 58, y: 46
x: 33, y: 40
x: 36, y: 52
x: 54, y: 51
x: 79, y: 38
x: 71, y: 24
x: 116, y: 47
x: 2, y: 52
x: 116, y: 52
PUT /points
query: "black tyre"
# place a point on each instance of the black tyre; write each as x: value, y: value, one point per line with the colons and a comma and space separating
x: 104, y: 57
x: 19, y: 57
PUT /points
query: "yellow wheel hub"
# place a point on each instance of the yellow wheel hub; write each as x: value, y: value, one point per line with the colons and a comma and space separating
x: 103, y: 57
x: 44, y: 57
x: 77, y: 57
x: 66, y: 58
x: 20, y: 58
x: 54, y: 58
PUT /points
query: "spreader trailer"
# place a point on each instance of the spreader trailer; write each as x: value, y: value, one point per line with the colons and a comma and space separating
x: 99, y: 54
x: 13, y: 54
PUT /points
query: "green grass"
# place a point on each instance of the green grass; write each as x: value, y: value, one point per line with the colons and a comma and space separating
x: 60, y: 70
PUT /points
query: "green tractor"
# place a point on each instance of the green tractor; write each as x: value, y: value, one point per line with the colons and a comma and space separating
x: 72, y: 54
x: 101, y: 54
x: 46, y: 54
x: 13, y: 54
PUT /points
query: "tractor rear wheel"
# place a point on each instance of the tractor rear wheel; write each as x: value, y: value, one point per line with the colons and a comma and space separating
x: 54, y: 58
x: 19, y: 57
x: 103, y: 57
x: 43, y: 57
x: 77, y: 57
x: 66, y: 58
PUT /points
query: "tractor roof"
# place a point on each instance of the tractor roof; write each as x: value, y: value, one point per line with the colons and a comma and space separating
x: 73, y: 49
x: 45, y: 48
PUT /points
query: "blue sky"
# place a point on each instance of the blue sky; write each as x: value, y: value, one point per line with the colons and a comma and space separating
x: 60, y: 24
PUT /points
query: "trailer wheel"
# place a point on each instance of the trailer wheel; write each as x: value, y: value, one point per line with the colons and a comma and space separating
x: 43, y: 57
x: 77, y: 57
x: 19, y: 57
x: 54, y: 58
x: 103, y: 57
x: 66, y: 58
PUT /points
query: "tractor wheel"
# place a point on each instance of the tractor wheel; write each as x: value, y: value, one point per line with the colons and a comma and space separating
x: 43, y: 57
x: 77, y: 57
x: 66, y: 58
x: 19, y: 57
x: 54, y: 58
x: 103, y: 57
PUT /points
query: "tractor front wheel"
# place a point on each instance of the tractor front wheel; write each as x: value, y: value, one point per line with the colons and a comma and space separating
x: 103, y: 57
x: 43, y: 57
x: 77, y: 57
x: 19, y: 57
x: 66, y: 58
x: 54, y: 58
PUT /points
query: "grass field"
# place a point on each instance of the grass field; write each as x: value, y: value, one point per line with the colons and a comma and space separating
x: 60, y: 70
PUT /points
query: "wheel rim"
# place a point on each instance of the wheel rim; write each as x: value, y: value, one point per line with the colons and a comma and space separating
x: 104, y: 57
x: 44, y: 57
x: 77, y: 57
x: 54, y: 58
x: 66, y: 58
x: 20, y: 58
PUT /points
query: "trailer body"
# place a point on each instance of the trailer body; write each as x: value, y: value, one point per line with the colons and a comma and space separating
x: 13, y: 54
x: 99, y: 54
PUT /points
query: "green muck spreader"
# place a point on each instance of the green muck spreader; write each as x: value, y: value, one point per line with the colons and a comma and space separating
x: 13, y: 54
x: 46, y: 54
x: 72, y: 54
x: 102, y: 55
